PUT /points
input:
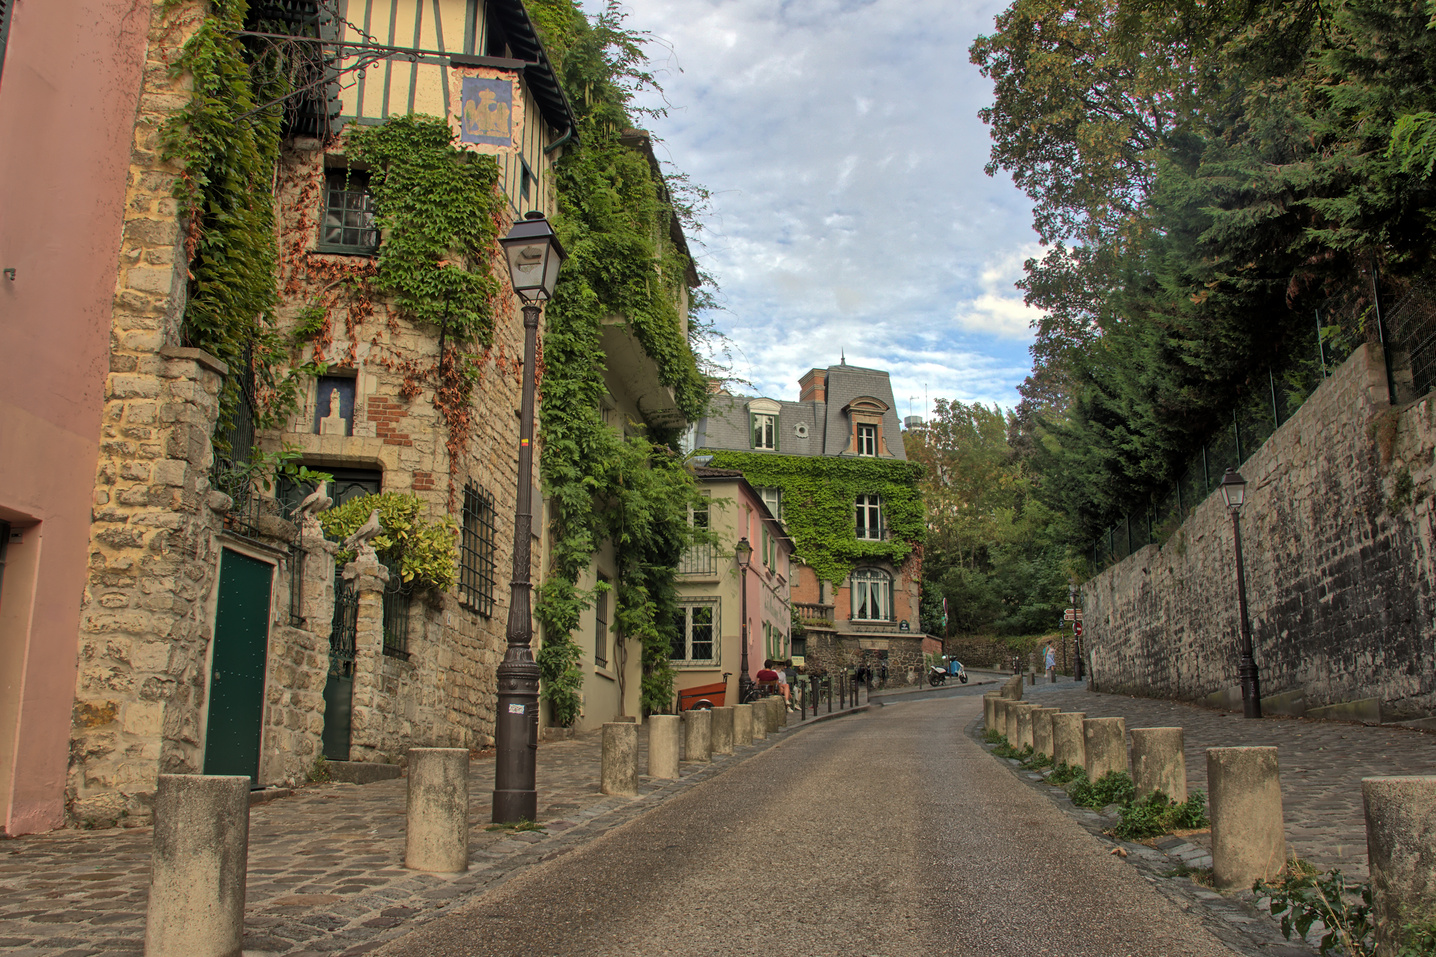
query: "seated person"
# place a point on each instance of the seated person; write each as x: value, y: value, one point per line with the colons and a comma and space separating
x: 766, y: 676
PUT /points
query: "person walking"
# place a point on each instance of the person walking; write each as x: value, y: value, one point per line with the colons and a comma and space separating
x: 1051, y: 664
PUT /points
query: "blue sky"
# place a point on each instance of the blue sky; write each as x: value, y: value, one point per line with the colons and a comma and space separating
x: 850, y: 211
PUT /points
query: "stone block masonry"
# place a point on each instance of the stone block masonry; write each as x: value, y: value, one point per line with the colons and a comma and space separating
x: 1339, y: 537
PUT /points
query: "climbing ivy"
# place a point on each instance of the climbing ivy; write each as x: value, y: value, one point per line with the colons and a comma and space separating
x: 819, y: 497
x: 613, y: 219
x: 227, y: 152
x: 427, y: 551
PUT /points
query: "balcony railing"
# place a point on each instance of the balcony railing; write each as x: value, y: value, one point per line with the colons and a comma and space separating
x: 699, y: 560
x: 814, y: 613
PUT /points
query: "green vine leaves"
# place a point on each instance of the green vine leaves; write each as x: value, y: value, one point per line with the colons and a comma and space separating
x: 819, y: 496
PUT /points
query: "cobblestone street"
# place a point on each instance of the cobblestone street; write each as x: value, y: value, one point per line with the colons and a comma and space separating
x: 325, y: 863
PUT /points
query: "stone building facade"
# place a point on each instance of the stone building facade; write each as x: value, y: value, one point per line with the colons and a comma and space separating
x: 1339, y: 540
x: 207, y: 618
x: 844, y: 413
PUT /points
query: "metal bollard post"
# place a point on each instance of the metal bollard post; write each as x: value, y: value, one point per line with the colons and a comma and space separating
x: 802, y: 702
x: 830, y: 695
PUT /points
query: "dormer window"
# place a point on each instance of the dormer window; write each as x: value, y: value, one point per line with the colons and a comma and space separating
x: 867, y: 440
x: 765, y: 431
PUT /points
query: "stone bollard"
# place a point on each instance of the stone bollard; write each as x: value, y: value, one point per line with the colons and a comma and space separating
x: 722, y: 734
x: 1042, y: 730
x: 989, y: 711
x: 663, y: 732
x: 1401, y: 850
x: 437, y: 836
x: 1158, y: 763
x: 1024, y: 725
x: 1011, y: 722
x: 1068, y: 746
x: 619, y: 767
x: 774, y: 712
x: 742, y: 724
x: 698, y: 735
x: 1105, y: 741
x: 1012, y: 688
x: 1248, y: 840
x: 780, y: 705
x: 198, y: 862
x: 760, y: 721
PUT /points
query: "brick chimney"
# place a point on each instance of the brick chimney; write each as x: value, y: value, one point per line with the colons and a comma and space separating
x: 813, y: 386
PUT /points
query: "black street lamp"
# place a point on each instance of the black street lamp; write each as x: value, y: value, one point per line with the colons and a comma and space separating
x: 534, y: 256
x: 743, y: 552
x: 1076, y: 631
x: 1234, y: 489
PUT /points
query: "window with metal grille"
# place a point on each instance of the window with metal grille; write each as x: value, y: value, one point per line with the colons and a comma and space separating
x: 348, y: 223
x: 476, y: 552
x: 872, y: 595
x: 600, y: 622
x: 867, y: 440
x: 694, y: 626
x: 869, y: 517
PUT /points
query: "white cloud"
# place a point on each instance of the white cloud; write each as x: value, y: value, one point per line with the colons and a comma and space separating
x: 850, y: 212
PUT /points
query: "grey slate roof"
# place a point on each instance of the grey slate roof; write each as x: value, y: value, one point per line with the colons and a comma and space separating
x: 727, y: 425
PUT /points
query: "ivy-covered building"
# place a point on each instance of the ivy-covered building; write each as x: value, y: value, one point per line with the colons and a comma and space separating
x: 832, y: 466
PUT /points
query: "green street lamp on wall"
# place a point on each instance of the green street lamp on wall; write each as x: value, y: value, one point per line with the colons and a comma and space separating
x: 1234, y: 490
x: 534, y: 257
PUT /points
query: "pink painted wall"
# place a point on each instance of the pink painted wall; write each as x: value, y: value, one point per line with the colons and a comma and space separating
x: 68, y: 92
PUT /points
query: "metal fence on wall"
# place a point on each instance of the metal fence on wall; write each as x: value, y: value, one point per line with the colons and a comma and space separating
x: 1339, y: 327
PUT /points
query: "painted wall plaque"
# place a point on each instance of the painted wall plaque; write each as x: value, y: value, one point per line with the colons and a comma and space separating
x: 486, y: 109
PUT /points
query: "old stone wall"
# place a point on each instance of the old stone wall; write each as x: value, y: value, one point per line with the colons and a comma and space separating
x: 1338, y: 538
x: 831, y: 653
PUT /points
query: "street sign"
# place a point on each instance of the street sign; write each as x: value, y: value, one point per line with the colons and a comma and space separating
x: 1072, y: 614
x: 1077, y: 629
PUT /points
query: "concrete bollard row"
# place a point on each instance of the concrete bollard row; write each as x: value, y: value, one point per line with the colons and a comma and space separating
x: 1010, y: 720
x: 1024, y: 725
x: 722, y: 734
x: 742, y: 724
x: 618, y: 772
x: 1105, y: 742
x: 698, y: 735
x: 989, y: 711
x: 1248, y: 839
x: 1012, y: 688
x: 198, y: 863
x: 1042, y: 730
x: 1158, y: 763
x: 760, y: 720
x: 1401, y: 851
x: 663, y: 732
x: 1068, y: 744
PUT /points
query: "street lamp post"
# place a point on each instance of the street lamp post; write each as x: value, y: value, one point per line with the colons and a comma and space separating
x: 534, y: 256
x: 1234, y: 488
x: 1076, y: 632
x: 743, y: 552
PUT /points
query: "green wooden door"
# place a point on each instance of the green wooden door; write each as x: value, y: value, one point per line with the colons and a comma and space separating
x: 236, y: 684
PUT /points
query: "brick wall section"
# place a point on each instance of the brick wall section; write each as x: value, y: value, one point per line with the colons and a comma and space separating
x: 1340, y: 566
x: 387, y: 415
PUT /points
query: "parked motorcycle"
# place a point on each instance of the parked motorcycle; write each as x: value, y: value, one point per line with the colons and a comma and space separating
x: 936, y: 676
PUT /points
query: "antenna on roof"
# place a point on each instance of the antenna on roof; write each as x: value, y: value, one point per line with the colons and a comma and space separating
x: 843, y: 357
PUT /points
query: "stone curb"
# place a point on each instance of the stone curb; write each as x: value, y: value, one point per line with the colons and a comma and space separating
x: 1234, y: 918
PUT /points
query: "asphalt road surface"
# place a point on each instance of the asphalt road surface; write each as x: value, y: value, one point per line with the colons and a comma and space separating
x: 880, y: 835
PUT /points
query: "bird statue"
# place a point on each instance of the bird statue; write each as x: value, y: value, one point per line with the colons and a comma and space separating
x: 313, y: 503
x: 359, y: 541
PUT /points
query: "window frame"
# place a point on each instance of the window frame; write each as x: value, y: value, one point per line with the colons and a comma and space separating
x: 871, y: 582
x: 775, y: 507
x: 771, y: 421
x: 872, y: 505
x: 478, y: 539
x: 685, y: 611
x: 867, y: 439
x: 348, y: 175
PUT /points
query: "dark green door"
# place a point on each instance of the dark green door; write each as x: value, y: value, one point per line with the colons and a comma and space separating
x: 236, y: 684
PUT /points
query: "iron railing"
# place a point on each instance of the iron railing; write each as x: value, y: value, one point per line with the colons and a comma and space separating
x: 398, y: 596
x: 477, y: 575
x: 344, y: 628
x: 1341, y: 325
x: 699, y: 560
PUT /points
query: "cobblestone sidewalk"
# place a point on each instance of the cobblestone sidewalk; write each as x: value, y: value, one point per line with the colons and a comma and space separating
x: 1321, y: 762
x: 325, y: 864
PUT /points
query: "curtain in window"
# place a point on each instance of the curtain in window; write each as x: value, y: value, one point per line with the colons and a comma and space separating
x: 872, y: 595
